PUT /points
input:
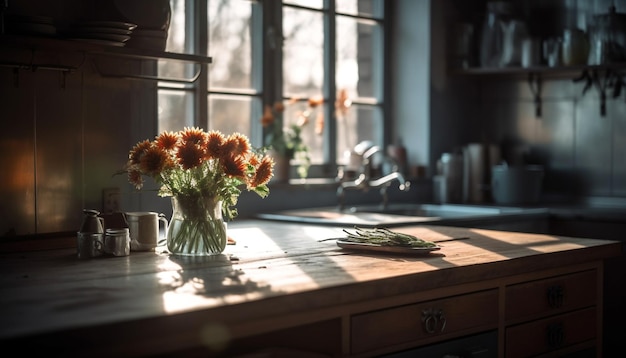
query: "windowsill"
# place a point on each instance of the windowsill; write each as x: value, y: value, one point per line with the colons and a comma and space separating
x: 307, y: 182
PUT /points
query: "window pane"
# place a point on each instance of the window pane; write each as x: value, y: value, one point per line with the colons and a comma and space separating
x: 303, y: 50
x: 176, y: 43
x: 229, y: 44
x: 178, y: 70
x: 176, y: 31
x: 359, y: 59
x: 173, y: 106
x: 230, y: 114
x: 356, y: 7
x: 314, y: 4
x: 359, y: 123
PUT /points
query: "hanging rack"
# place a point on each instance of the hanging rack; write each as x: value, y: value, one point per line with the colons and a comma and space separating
x: 20, y: 43
x: 34, y: 67
x: 188, y: 80
x: 602, y: 80
x: 136, y: 54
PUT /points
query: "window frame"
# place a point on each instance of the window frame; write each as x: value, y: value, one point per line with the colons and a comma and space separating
x: 267, y: 78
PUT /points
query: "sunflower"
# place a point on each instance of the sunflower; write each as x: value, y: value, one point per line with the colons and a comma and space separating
x: 229, y: 147
x: 263, y: 172
x: 167, y: 140
x: 235, y: 166
x: 135, y: 178
x: 242, y: 143
x: 215, y: 141
x: 194, y: 136
x: 138, y: 150
x: 189, y: 155
x: 153, y: 161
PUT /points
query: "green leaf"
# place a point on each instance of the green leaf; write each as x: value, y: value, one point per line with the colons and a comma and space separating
x: 262, y: 190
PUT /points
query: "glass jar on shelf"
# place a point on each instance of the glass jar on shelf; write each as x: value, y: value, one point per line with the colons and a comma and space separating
x: 492, y: 37
x: 575, y: 47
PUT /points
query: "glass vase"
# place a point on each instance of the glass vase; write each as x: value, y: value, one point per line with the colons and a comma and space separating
x: 197, y: 227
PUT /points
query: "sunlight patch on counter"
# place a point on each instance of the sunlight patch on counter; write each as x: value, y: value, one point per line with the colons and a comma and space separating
x: 185, y: 292
x: 176, y: 302
x: 253, y: 239
x: 541, y: 243
x: 321, y: 232
x: 195, y: 283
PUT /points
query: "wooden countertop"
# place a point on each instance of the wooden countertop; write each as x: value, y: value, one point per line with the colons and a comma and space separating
x: 275, y: 273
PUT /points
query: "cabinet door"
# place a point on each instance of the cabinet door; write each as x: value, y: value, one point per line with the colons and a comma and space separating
x: 17, y: 143
x: 442, y: 318
x: 554, y: 295
x: 551, y: 334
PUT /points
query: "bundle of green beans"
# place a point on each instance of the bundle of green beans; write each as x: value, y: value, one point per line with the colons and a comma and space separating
x: 386, y: 237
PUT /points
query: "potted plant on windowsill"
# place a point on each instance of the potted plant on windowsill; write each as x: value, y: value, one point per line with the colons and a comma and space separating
x: 284, y: 141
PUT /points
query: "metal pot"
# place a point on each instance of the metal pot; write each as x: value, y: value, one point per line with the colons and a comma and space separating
x: 516, y: 185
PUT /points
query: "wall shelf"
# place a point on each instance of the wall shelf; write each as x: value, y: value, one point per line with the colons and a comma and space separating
x: 604, y: 78
x: 545, y: 71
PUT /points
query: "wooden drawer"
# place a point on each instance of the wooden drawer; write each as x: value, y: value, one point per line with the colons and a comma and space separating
x: 439, y: 318
x: 554, y: 295
x: 551, y: 334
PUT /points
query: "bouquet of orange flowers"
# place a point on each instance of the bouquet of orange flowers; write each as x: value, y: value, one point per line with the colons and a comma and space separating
x: 195, y: 163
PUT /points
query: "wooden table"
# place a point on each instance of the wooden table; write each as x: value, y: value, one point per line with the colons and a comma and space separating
x: 281, y: 285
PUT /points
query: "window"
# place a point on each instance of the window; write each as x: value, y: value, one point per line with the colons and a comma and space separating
x: 265, y: 51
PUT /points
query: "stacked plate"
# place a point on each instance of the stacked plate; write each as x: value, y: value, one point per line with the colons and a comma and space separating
x: 108, y: 33
x: 30, y: 25
x: 148, y: 39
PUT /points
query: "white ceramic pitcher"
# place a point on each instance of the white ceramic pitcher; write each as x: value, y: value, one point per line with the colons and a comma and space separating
x: 144, y: 229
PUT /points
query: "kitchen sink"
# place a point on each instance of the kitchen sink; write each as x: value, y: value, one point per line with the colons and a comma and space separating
x: 435, y: 210
x: 393, y: 214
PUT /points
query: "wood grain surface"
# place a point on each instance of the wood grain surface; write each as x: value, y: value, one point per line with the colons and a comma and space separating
x: 274, y: 271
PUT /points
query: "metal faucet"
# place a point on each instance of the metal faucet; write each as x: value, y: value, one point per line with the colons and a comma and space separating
x: 365, y: 182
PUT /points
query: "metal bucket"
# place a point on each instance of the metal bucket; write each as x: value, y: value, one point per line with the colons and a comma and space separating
x: 516, y: 185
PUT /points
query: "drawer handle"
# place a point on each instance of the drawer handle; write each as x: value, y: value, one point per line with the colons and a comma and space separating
x: 556, y: 296
x: 429, y: 321
x: 434, y: 320
x: 555, y: 335
x: 442, y: 320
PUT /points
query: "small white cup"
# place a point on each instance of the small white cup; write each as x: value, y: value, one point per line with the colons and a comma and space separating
x: 144, y: 229
x: 89, y: 244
